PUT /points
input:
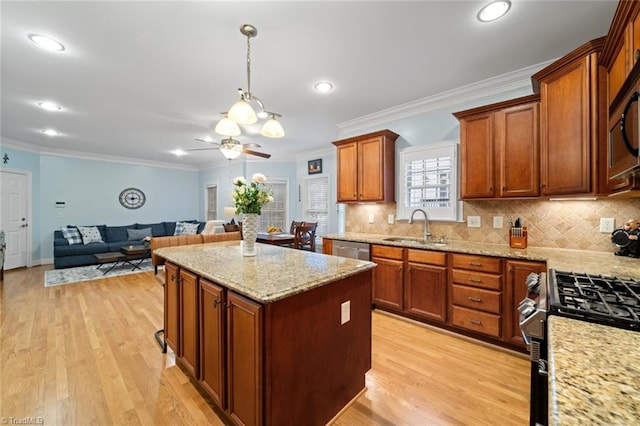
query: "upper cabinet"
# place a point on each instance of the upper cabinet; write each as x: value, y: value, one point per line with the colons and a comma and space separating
x: 366, y: 168
x: 499, y: 146
x: 572, y: 122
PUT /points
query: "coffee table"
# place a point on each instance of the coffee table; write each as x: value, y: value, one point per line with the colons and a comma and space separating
x: 125, y: 256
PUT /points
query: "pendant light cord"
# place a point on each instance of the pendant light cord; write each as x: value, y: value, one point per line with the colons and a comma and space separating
x: 248, y: 67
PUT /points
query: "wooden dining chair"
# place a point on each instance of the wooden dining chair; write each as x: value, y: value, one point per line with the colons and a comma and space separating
x: 304, y: 237
x: 294, y: 225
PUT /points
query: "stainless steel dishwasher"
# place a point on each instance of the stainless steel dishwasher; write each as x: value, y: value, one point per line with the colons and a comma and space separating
x: 351, y: 249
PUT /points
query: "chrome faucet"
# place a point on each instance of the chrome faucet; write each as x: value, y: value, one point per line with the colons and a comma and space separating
x: 427, y: 234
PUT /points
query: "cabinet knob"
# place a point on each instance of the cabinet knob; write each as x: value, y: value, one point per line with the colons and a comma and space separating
x: 173, y: 277
x: 636, y: 54
x: 216, y: 302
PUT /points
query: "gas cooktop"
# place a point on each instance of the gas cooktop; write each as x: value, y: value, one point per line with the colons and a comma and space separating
x: 595, y: 298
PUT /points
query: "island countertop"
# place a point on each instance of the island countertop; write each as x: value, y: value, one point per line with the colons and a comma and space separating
x: 594, y: 373
x: 591, y: 262
x: 273, y: 274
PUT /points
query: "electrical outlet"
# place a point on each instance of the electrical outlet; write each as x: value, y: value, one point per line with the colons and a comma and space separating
x: 345, y: 312
x: 370, y: 217
x: 390, y: 219
x: 473, y: 222
x: 607, y: 224
x: 497, y: 221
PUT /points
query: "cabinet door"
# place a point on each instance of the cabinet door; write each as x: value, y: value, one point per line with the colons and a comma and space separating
x: 565, y: 129
x: 347, y: 172
x: 212, y: 341
x: 171, y: 307
x: 516, y: 291
x: 517, y: 140
x: 477, y: 156
x: 387, y: 280
x: 244, y: 357
x: 371, y: 173
x: 188, y: 354
x: 426, y: 291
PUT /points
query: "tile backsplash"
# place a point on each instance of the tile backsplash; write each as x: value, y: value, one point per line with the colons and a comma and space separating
x: 557, y: 224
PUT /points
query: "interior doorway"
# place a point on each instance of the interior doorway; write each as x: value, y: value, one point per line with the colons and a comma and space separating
x: 15, y: 217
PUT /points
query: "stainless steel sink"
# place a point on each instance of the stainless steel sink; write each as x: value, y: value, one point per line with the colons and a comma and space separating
x: 415, y: 241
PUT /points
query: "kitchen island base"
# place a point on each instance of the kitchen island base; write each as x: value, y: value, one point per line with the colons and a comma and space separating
x: 295, y: 360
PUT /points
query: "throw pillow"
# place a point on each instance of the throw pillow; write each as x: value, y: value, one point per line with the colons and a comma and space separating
x: 231, y: 228
x: 72, y: 235
x: 90, y: 234
x: 138, y: 234
x: 184, y: 228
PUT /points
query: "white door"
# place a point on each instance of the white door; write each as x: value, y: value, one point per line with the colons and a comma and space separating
x: 14, y: 218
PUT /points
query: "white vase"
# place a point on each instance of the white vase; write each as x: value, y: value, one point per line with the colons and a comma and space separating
x: 249, y: 234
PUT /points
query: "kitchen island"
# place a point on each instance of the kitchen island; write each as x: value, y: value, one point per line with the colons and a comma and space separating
x: 280, y: 338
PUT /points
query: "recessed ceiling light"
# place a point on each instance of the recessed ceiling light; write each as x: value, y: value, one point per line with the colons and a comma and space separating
x: 323, y: 86
x: 494, y: 10
x: 50, y: 132
x: 46, y: 42
x: 49, y: 106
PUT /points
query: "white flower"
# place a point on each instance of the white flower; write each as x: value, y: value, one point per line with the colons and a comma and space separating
x: 239, y: 179
x: 259, y: 178
x: 270, y: 198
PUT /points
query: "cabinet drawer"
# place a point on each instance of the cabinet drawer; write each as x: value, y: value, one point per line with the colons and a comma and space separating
x: 477, y: 279
x: 425, y: 256
x: 388, y: 252
x: 475, y: 298
x: 477, y: 263
x: 482, y: 322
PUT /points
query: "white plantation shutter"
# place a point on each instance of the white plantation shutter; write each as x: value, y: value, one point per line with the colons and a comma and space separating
x: 429, y: 182
x: 275, y: 214
x: 316, y: 203
x: 212, y: 202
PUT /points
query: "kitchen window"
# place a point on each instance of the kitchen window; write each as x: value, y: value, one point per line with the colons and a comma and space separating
x: 275, y: 214
x: 429, y: 181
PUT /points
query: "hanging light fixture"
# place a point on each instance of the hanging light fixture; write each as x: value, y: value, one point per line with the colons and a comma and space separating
x: 242, y: 112
x: 230, y: 148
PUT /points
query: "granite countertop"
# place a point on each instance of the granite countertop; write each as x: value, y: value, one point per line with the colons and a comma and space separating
x: 594, y: 373
x: 591, y: 262
x: 275, y: 273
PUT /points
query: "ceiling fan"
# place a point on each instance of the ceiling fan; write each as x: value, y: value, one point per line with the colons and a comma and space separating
x: 232, y: 148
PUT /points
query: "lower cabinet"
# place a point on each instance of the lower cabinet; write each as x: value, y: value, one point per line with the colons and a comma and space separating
x: 188, y: 326
x: 515, y: 291
x: 411, y: 281
x: 171, y: 306
x: 212, y: 341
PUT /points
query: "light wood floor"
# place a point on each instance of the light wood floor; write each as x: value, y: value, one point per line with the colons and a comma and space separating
x: 85, y: 354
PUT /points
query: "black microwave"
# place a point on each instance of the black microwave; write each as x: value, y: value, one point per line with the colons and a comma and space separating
x: 624, y: 128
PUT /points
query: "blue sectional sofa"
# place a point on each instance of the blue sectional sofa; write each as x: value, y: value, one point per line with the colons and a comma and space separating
x: 113, y: 238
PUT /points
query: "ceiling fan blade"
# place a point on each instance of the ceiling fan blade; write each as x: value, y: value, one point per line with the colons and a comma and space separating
x: 251, y: 145
x: 256, y: 153
x: 201, y: 149
x: 206, y: 141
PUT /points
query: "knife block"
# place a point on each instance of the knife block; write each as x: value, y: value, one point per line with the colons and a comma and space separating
x: 518, y: 239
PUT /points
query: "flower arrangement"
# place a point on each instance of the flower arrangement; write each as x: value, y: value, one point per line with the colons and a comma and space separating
x: 250, y: 197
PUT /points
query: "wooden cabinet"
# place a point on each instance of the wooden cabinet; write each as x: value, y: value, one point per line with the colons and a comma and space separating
x: 188, y: 324
x: 171, y: 307
x: 515, y: 291
x: 388, y: 276
x: 499, y: 146
x: 366, y: 168
x: 476, y: 294
x: 327, y: 246
x: 572, y: 122
x: 212, y: 326
x: 244, y: 355
x: 425, y: 284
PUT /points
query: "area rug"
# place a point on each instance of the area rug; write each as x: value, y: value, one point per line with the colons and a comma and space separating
x: 88, y: 273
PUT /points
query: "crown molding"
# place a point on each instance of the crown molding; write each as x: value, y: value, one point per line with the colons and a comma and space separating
x: 24, y: 146
x: 454, y: 98
x: 310, y: 155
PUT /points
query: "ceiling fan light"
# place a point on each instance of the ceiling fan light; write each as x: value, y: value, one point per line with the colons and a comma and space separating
x: 242, y: 113
x: 227, y: 127
x: 230, y: 148
x: 272, y: 128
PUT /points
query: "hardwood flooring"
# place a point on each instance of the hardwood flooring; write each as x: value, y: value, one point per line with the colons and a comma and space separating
x: 85, y: 354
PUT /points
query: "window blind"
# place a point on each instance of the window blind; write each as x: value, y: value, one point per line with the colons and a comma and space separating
x: 275, y: 213
x: 316, y: 203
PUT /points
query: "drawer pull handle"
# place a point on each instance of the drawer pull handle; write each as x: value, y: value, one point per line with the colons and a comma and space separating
x: 475, y: 280
x: 475, y: 322
x: 475, y: 299
x: 475, y: 263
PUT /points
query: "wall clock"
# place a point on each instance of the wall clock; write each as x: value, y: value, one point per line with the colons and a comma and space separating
x: 132, y: 198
